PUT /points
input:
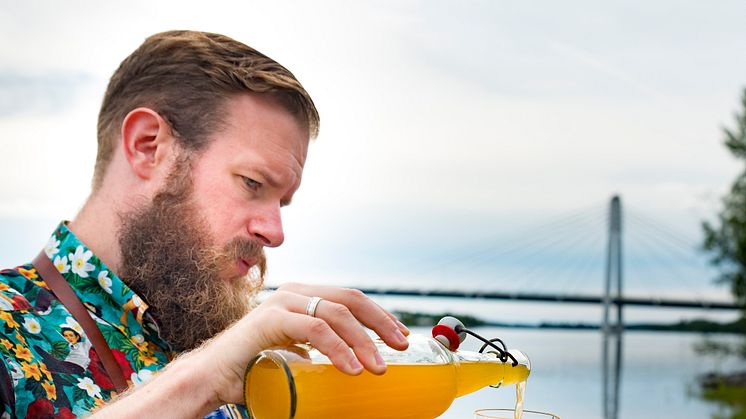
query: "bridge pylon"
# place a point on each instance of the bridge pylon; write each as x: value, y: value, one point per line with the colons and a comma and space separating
x: 613, y: 326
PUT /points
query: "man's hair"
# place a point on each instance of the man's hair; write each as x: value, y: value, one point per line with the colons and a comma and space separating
x: 187, y: 77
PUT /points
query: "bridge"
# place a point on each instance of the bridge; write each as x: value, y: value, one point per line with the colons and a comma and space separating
x: 575, y: 259
x: 532, y: 263
x: 650, y: 240
x: 554, y: 298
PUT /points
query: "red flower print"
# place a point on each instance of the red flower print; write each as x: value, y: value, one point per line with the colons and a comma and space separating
x: 96, y: 367
x: 64, y: 413
x: 100, y: 376
x: 40, y: 408
x: 20, y: 302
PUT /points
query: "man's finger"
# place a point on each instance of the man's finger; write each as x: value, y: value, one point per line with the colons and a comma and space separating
x: 363, y: 308
x: 348, y: 328
x: 340, y: 320
x: 302, y: 328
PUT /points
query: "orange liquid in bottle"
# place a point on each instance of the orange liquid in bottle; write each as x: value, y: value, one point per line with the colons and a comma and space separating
x: 404, y: 391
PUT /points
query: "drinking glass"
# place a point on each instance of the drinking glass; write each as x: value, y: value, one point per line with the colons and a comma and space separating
x: 510, y: 414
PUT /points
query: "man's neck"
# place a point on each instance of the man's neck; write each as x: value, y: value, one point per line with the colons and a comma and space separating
x: 97, y: 226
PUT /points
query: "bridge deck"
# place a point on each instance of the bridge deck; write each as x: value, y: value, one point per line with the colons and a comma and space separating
x: 555, y: 298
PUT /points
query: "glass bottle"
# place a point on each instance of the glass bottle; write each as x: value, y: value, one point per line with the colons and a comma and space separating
x: 421, y: 382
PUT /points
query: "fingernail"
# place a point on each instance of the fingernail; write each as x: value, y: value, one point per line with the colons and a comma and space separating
x: 379, y: 360
x: 399, y: 336
x: 355, y: 365
x: 402, y: 327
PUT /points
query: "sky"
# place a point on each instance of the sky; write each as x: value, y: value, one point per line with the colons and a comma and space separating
x: 448, y: 130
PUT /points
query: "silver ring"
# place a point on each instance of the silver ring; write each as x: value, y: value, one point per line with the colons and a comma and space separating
x: 311, y: 307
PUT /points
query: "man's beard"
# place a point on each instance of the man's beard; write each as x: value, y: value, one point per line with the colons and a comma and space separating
x: 169, y: 260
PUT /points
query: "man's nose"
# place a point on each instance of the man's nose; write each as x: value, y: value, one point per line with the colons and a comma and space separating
x: 267, y: 227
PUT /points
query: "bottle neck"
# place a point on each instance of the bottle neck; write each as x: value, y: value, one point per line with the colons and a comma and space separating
x: 475, y: 371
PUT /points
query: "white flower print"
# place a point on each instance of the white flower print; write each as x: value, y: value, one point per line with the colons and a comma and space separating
x: 61, y: 264
x: 6, y: 304
x: 52, y: 247
x: 140, y: 377
x: 104, y: 281
x: 32, y: 325
x: 79, y: 261
x: 89, y: 386
x: 15, y: 372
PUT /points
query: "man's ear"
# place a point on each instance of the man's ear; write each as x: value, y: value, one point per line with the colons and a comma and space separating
x: 147, y: 142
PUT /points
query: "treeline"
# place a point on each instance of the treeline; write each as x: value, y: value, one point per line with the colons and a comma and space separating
x: 428, y: 319
x: 698, y: 326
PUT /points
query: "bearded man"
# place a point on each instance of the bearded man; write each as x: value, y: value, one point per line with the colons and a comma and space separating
x: 201, y: 141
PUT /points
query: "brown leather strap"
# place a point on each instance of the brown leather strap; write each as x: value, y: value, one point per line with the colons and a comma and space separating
x: 66, y: 295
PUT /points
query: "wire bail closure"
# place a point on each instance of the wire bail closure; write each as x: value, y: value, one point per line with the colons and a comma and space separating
x: 450, y: 331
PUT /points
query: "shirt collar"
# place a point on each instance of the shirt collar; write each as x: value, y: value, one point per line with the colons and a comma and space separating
x: 100, y: 289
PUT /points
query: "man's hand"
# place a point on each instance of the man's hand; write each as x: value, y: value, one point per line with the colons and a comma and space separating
x: 281, y: 320
x: 206, y: 378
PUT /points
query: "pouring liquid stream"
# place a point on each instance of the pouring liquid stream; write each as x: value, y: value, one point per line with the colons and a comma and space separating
x: 520, y: 390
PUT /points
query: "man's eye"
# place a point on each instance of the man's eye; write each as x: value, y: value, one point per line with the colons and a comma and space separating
x: 251, y: 183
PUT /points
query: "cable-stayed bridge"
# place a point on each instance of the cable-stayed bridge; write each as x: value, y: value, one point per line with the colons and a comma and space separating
x: 592, y: 256
x: 654, y: 253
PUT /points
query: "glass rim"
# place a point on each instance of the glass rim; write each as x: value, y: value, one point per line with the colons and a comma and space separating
x: 487, y: 410
x: 280, y: 361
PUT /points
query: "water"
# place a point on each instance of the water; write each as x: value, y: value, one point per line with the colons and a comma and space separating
x: 658, y: 377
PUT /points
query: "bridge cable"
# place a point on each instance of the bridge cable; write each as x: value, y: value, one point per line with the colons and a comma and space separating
x: 566, y: 244
x: 489, y: 250
x: 660, y: 258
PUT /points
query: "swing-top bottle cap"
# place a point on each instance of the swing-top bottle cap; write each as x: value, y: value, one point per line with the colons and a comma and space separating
x: 449, y: 332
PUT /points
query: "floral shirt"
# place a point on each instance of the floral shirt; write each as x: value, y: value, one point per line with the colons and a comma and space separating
x: 49, y: 368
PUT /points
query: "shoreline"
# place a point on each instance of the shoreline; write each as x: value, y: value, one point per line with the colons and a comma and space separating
x: 737, y: 327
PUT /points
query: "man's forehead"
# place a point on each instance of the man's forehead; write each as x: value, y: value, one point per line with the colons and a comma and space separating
x: 255, y: 117
x: 259, y: 136
x: 248, y: 106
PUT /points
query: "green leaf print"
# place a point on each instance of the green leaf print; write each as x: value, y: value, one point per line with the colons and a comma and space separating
x: 60, y: 349
x: 79, y: 394
x: 94, y: 288
x: 114, y: 337
x: 35, y: 387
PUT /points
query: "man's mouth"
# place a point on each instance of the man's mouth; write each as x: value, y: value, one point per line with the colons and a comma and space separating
x: 245, y: 264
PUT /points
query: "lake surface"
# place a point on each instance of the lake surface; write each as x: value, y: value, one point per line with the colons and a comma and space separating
x: 658, y: 378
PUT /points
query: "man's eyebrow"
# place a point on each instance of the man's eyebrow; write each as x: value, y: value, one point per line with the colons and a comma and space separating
x: 267, y: 176
x: 272, y: 181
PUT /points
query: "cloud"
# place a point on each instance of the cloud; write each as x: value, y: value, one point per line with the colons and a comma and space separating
x: 39, y: 94
x: 612, y: 71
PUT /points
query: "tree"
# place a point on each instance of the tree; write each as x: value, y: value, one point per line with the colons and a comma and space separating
x: 725, y: 239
